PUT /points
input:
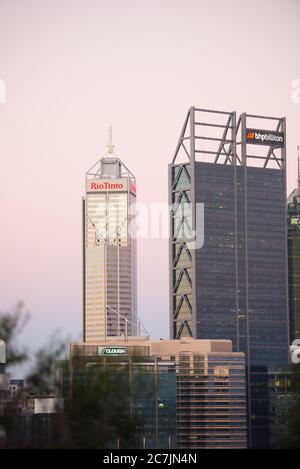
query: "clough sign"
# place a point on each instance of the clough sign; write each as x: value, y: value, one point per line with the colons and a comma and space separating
x: 265, y: 137
x: 112, y: 351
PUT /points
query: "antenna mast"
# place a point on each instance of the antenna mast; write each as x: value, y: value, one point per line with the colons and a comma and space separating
x: 110, y: 145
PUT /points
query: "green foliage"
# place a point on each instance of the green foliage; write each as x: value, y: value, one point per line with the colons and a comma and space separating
x: 41, y: 378
x: 97, y: 411
x: 11, y: 325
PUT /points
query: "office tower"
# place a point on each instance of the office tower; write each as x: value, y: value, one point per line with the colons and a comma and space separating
x: 235, y: 285
x: 193, y: 392
x: 109, y: 249
x: 294, y: 259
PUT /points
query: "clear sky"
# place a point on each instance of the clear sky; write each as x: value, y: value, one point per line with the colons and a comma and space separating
x: 73, y: 66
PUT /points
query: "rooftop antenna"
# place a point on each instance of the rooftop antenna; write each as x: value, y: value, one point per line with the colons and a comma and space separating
x: 110, y: 145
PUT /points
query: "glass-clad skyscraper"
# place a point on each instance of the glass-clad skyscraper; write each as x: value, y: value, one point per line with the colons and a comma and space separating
x: 234, y: 286
x: 293, y: 205
x: 109, y: 250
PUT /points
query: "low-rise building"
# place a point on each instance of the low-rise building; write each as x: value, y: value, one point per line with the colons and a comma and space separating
x: 197, y: 386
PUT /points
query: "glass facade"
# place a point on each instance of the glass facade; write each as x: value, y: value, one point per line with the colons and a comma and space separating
x: 294, y: 263
x: 235, y: 286
x: 283, y: 389
x: 149, y: 391
x: 179, y: 398
x: 239, y: 296
x: 274, y: 393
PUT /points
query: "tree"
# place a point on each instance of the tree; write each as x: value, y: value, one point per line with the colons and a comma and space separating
x: 11, y: 326
x: 96, y: 411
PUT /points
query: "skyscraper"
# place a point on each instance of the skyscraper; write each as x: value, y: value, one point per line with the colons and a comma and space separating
x: 109, y: 250
x: 294, y: 259
x: 235, y: 286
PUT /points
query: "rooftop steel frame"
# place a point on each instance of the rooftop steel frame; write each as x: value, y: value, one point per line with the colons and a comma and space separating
x: 95, y: 170
x: 222, y: 137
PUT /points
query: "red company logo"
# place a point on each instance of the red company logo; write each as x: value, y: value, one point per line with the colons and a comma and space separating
x: 133, y: 187
x: 96, y: 186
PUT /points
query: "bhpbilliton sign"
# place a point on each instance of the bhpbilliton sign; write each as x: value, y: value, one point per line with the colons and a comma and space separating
x: 265, y: 137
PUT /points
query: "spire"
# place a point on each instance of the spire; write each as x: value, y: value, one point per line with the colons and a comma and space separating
x: 110, y: 145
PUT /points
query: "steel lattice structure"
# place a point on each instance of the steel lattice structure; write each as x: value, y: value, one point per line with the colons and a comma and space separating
x: 235, y: 286
x: 220, y: 137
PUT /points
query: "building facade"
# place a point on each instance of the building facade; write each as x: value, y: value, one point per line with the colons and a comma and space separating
x: 283, y: 388
x: 234, y: 286
x: 195, y: 390
x: 109, y: 250
x: 293, y: 207
x: 143, y: 387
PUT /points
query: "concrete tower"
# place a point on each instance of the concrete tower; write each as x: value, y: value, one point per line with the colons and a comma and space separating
x: 109, y: 249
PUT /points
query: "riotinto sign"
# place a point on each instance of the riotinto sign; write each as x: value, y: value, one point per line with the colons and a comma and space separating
x: 101, y: 185
x: 265, y: 137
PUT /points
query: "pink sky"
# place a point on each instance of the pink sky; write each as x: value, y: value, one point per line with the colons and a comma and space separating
x: 71, y: 67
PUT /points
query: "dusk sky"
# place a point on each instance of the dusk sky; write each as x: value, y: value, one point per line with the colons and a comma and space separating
x: 70, y: 68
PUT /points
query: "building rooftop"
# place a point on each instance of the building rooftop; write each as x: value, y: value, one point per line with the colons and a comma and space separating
x: 164, y: 346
